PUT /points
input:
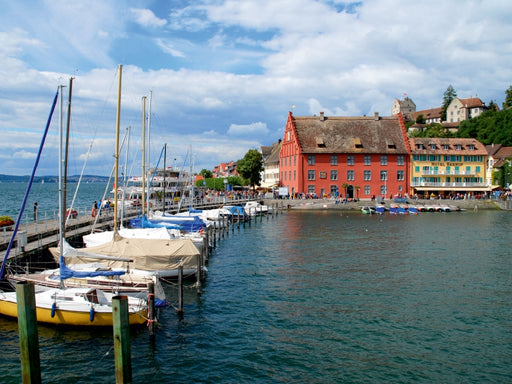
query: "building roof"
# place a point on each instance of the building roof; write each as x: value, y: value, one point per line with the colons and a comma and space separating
x: 492, y: 149
x: 502, y: 156
x: 472, y: 102
x: 323, y: 134
x: 273, y: 157
x: 439, y: 142
x: 432, y: 113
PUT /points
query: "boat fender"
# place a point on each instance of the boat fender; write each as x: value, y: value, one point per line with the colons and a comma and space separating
x: 160, y: 303
x: 91, y: 315
x: 54, y: 308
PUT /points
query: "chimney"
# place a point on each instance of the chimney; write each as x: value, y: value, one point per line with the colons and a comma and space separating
x: 322, y: 117
x: 376, y: 116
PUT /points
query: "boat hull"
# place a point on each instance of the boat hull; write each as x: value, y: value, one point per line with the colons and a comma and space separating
x: 70, y: 314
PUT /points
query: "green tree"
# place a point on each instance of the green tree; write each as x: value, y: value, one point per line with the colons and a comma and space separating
x: 206, y: 173
x: 448, y: 96
x: 251, y: 166
x: 493, y: 106
x: 432, y: 130
x: 420, y: 119
x: 491, y: 127
x: 508, y: 98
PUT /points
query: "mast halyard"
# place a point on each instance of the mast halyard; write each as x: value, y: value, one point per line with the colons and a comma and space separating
x: 116, y: 155
x: 144, y: 155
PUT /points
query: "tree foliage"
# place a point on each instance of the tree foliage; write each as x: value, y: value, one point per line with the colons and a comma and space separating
x: 432, y: 130
x: 251, y: 166
x: 218, y: 183
x: 508, y: 98
x: 488, y: 128
x: 206, y: 173
x: 448, y: 96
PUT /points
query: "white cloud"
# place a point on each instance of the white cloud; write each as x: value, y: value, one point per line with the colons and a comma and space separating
x: 248, y: 129
x: 168, y: 47
x: 147, y: 18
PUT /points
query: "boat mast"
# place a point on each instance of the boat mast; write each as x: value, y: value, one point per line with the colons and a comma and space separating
x: 165, y: 176
x: 116, y: 156
x: 66, y: 151
x: 144, y: 155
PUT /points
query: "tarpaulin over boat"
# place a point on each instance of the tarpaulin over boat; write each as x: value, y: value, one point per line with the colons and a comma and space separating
x: 145, y: 254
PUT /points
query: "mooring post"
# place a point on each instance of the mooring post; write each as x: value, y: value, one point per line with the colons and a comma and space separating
x: 180, y: 290
x: 27, y: 326
x: 122, y: 353
x: 198, y: 274
x: 151, y: 309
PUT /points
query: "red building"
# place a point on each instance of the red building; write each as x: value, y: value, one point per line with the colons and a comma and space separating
x: 357, y: 156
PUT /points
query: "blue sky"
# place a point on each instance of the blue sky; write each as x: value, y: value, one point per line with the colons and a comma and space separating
x: 223, y: 74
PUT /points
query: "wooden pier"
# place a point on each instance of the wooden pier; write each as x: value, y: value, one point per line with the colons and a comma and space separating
x: 37, y: 236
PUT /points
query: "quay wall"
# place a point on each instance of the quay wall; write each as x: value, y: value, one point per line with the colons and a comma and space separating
x: 319, y: 204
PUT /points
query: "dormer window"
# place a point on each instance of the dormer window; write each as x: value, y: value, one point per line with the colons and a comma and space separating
x: 420, y: 146
x: 320, y: 142
x: 357, y: 143
x: 471, y: 147
x: 446, y: 146
x: 458, y: 147
x: 433, y: 147
x: 390, y: 144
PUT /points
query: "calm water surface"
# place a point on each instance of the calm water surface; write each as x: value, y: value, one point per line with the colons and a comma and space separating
x: 322, y: 297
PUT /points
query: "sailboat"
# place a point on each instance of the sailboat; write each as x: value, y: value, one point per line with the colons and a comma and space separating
x: 84, y: 306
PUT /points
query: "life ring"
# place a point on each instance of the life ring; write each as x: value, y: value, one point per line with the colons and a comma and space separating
x: 94, y: 212
x: 201, y: 232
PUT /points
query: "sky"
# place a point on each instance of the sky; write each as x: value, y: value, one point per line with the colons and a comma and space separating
x: 221, y: 76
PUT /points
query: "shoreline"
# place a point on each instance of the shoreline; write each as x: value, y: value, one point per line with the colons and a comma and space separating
x: 322, y: 204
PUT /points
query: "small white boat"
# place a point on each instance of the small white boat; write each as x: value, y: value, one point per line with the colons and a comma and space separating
x: 367, y: 210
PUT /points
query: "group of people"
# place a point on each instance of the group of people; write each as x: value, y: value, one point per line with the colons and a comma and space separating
x: 97, y: 207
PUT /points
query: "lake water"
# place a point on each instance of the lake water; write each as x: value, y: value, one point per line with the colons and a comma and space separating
x: 321, y: 297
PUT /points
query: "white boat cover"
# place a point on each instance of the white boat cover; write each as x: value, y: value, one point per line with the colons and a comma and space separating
x: 145, y: 254
x: 98, y: 238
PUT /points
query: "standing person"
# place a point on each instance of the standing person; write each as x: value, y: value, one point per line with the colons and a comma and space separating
x: 94, y: 209
x: 35, y: 211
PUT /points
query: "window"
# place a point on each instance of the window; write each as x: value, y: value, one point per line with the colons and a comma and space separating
x: 322, y: 175
x: 311, y: 189
x: 350, y: 175
x: 334, y: 190
x: 383, y: 175
x: 311, y: 175
x: 334, y: 175
x: 400, y: 175
x: 334, y: 159
x: 311, y: 159
x: 367, y: 175
x: 350, y: 160
x: 400, y: 160
x: 285, y: 161
x: 367, y: 190
x: 289, y: 175
x: 294, y: 174
x: 384, y: 160
x: 295, y: 160
x: 383, y: 190
x: 367, y: 160
x: 433, y: 147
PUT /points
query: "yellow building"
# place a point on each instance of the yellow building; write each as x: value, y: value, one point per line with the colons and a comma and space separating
x: 448, y: 167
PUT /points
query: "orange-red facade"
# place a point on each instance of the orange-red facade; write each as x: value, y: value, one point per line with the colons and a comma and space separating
x: 353, y: 174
